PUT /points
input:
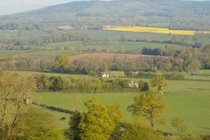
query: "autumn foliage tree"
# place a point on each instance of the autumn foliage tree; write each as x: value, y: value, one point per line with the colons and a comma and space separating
x: 98, y: 123
x: 149, y: 105
x: 191, y: 60
x: 38, y: 124
x: 14, y: 90
x: 158, y: 82
x: 135, y: 131
x: 62, y: 63
x: 179, y: 124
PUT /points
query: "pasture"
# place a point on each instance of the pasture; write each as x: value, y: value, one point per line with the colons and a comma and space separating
x: 187, y: 99
x: 104, y: 34
x: 30, y: 73
x: 6, y: 53
x: 111, y: 46
x: 77, y: 47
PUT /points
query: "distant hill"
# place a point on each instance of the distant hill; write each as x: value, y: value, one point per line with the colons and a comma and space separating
x: 161, y: 13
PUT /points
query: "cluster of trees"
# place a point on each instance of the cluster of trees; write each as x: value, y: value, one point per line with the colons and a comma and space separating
x: 9, y: 26
x: 21, y: 39
x: 200, y: 57
x: 105, y: 123
x: 167, y: 51
x: 86, y: 84
x: 188, y: 59
x: 169, y: 76
x: 17, y: 26
x: 183, y: 40
x: 97, y: 123
x: 31, y: 63
x: 13, y: 90
x: 17, y: 117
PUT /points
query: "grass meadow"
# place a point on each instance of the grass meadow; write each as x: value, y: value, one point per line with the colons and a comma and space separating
x: 188, y: 98
x: 6, y: 53
x: 133, y: 47
x: 185, y: 98
x: 103, y: 34
x: 29, y: 73
x: 75, y: 47
x: 107, y: 41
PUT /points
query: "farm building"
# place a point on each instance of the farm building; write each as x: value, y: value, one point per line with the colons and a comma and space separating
x: 27, y: 101
x: 133, y: 84
x: 104, y: 75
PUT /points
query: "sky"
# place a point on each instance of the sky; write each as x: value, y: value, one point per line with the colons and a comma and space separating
x: 16, y: 6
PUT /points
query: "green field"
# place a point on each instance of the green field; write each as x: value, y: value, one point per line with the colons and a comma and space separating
x: 29, y: 73
x: 201, y: 75
x: 185, y: 98
x: 113, y: 46
x: 74, y: 47
x: 102, y: 41
x: 100, y: 34
x: 188, y: 99
x: 5, y: 53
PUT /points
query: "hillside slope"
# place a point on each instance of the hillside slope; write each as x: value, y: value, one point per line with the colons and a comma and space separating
x: 161, y: 13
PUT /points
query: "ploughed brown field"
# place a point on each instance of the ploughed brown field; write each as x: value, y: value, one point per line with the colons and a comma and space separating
x: 106, y: 56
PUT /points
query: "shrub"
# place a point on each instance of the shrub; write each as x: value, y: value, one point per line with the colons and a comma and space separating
x: 56, y: 84
x: 143, y: 86
x: 174, y: 76
x: 135, y: 131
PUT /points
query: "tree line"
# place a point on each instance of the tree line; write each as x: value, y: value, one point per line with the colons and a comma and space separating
x: 21, y: 40
x: 87, y: 84
x: 187, y: 59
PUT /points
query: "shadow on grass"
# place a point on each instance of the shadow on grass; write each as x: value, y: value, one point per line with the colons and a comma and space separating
x: 207, y: 128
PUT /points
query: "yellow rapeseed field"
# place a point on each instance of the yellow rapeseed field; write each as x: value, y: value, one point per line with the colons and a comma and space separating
x: 154, y: 30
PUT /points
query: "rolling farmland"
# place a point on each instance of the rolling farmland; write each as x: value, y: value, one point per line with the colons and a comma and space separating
x: 184, y: 98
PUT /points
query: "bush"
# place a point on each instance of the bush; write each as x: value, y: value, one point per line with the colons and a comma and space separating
x: 42, y: 81
x: 148, y: 75
x: 174, y: 76
x: 85, y: 85
x: 135, y: 131
x: 56, y: 84
x: 168, y: 76
x: 143, y: 86
x: 38, y: 124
